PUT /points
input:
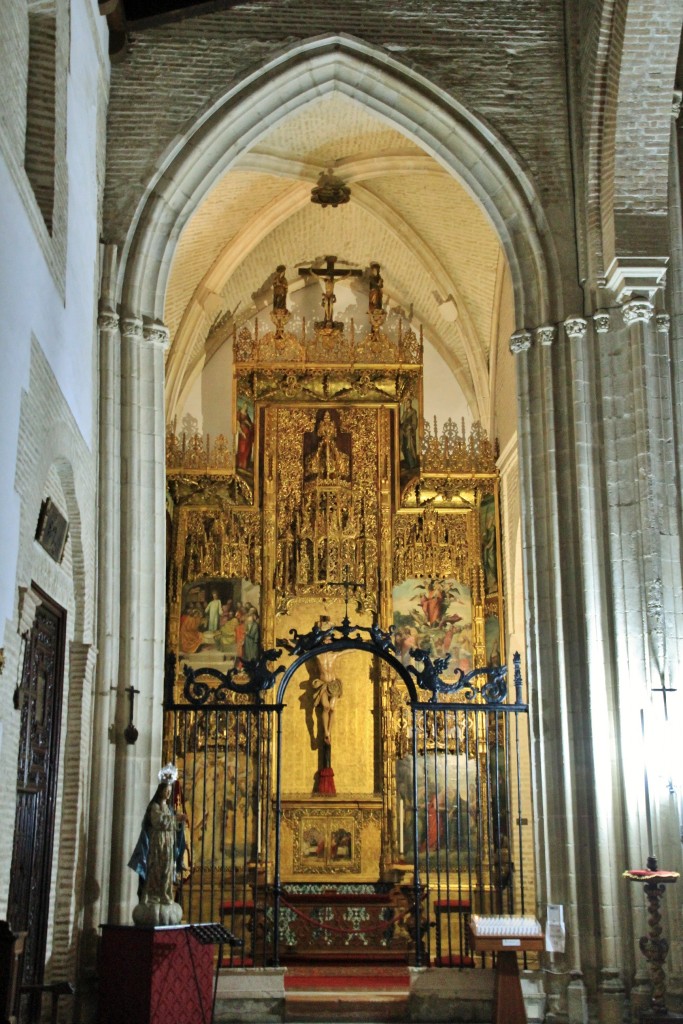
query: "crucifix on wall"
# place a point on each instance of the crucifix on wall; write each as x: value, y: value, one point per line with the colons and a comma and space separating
x: 328, y: 275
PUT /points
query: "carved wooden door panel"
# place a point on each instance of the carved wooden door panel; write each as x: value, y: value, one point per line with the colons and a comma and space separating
x: 40, y: 702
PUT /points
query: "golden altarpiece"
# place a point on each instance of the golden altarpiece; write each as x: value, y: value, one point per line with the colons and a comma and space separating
x: 333, y: 498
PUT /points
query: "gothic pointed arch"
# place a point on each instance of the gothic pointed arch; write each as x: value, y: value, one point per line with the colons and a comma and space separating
x: 461, y: 142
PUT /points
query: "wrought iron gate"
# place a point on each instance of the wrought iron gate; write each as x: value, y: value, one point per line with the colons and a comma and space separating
x: 456, y: 809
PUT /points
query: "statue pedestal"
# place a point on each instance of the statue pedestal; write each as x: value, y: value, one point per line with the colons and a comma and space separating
x: 154, y: 976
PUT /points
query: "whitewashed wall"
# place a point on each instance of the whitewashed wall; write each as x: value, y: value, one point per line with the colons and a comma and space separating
x: 49, y: 283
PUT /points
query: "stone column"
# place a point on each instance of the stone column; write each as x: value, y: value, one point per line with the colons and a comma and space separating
x: 602, y: 751
x: 643, y: 549
x: 108, y: 589
x: 552, y: 655
x: 142, y: 623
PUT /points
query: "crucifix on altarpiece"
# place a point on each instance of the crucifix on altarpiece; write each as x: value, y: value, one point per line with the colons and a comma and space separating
x: 328, y: 274
x: 328, y: 690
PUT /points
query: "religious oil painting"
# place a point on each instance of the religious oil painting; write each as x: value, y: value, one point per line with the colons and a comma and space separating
x: 244, y: 438
x: 489, y: 543
x: 434, y: 615
x: 492, y: 640
x: 326, y: 841
x: 409, y: 440
x: 219, y: 796
x: 313, y: 845
x: 447, y: 806
x: 219, y: 623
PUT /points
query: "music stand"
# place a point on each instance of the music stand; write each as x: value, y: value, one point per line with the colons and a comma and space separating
x: 217, y: 935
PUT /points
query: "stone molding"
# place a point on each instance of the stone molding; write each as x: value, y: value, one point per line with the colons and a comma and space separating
x: 637, y: 311
x: 628, y: 276
x: 576, y: 327
x: 601, y: 321
x: 545, y: 335
x: 131, y: 327
x: 520, y: 341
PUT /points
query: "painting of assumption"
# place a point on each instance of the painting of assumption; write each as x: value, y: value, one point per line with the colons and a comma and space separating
x: 219, y: 623
x: 434, y: 615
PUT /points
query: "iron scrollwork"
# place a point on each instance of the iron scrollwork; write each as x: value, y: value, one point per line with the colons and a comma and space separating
x: 317, y: 639
x: 260, y: 678
x: 493, y: 690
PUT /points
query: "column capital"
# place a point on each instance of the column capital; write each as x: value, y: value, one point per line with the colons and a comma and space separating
x: 637, y: 311
x: 546, y: 334
x: 676, y: 101
x: 108, y: 320
x: 157, y: 334
x: 663, y: 322
x: 131, y: 327
x: 601, y: 321
x: 575, y: 327
x: 520, y: 341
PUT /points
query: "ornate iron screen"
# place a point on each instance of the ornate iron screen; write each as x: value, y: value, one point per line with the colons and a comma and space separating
x: 453, y: 816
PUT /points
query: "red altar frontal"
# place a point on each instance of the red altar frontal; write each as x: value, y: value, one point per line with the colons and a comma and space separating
x: 154, y: 975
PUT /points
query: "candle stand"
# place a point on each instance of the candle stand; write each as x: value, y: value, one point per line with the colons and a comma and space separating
x: 654, y: 946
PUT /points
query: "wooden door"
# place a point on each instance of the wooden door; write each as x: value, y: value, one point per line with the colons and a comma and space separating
x: 38, y: 760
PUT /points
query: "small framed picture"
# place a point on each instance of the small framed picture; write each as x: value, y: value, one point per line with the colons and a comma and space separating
x: 53, y: 530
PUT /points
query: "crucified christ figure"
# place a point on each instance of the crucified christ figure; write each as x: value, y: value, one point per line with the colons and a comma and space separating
x: 328, y: 689
x: 329, y: 274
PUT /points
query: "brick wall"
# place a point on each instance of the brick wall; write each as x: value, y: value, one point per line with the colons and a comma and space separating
x: 34, y: 65
x: 53, y: 461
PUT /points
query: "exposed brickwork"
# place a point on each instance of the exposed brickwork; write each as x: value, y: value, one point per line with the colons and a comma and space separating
x: 627, y: 60
x: 34, y: 63
x: 39, y: 159
x: 53, y: 461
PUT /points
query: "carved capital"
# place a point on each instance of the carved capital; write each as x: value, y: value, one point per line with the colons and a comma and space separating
x: 131, y: 327
x: 108, y: 321
x: 601, y: 320
x: 520, y: 341
x: 676, y: 103
x: 663, y: 322
x: 576, y: 327
x: 157, y: 334
x: 545, y: 335
x: 637, y: 311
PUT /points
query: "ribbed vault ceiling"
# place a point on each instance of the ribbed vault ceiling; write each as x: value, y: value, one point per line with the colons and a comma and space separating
x: 431, y: 238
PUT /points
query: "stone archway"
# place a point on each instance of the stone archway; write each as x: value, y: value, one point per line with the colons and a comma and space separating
x: 133, y: 300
